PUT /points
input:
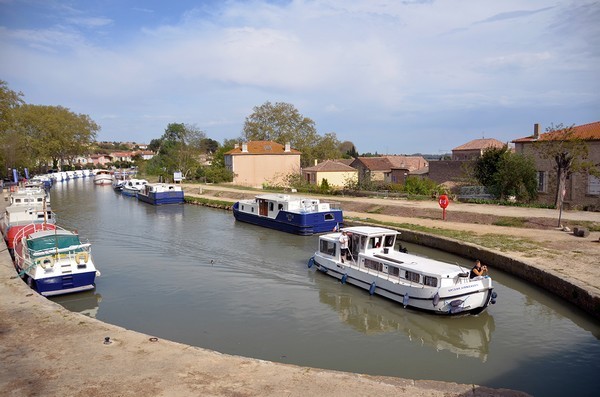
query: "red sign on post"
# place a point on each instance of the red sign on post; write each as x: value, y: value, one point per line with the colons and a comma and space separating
x: 443, y: 201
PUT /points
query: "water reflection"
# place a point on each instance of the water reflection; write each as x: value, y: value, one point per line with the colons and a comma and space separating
x: 466, y: 336
x: 86, y: 303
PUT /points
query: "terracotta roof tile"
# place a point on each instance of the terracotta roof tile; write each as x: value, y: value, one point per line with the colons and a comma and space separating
x: 330, y: 166
x: 480, y: 144
x: 587, y: 132
x: 262, y: 147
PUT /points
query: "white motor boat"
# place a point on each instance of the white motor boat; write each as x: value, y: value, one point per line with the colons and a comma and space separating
x: 375, y: 265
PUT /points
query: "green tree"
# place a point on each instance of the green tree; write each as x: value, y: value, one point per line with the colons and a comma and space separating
x: 282, y: 123
x: 178, y: 149
x: 569, y: 152
x: 505, y: 173
x: 12, y: 143
x: 326, y: 148
x: 348, y: 149
x: 55, y: 133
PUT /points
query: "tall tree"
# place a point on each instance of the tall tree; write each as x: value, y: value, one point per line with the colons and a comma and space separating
x: 11, y: 143
x: 55, y: 133
x: 282, y: 123
x: 178, y: 149
x: 569, y: 153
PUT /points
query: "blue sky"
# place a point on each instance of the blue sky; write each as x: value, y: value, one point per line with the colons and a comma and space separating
x: 395, y: 77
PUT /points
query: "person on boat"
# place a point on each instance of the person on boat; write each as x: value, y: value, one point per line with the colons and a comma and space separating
x: 344, y: 245
x: 478, y: 270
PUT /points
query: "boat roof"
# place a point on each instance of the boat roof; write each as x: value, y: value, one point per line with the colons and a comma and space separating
x: 369, y: 230
x: 53, y: 232
x: 283, y: 197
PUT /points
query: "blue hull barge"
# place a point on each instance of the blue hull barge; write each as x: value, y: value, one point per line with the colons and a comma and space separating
x: 161, y: 193
x: 297, y: 215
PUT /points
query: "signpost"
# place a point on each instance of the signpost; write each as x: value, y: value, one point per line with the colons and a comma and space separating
x: 443, y: 201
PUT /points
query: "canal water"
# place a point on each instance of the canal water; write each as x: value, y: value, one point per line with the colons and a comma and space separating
x: 194, y: 275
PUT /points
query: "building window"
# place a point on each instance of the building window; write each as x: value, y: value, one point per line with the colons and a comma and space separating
x: 542, y: 182
x: 593, y: 185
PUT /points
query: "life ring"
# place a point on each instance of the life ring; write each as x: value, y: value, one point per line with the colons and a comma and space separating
x: 82, y: 257
x: 45, y: 262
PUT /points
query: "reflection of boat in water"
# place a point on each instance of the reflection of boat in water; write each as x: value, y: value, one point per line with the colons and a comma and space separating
x: 462, y: 335
x: 84, y: 302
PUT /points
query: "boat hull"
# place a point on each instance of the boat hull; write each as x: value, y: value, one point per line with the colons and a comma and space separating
x: 467, y: 298
x: 65, y: 284
x: 303, y: 224
x: 162, y: 198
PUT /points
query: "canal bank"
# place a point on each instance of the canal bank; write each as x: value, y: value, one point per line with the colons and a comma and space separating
x: 48, y: 350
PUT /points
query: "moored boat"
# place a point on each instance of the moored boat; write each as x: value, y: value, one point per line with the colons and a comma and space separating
x: 161, y: 193
x: 132, y: 186
x: 374, y: 264
x: 304, y: 216
x: 102, y: 177
x: 54, y: 262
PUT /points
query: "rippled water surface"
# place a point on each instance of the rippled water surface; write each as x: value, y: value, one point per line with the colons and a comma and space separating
x: 193, y: 275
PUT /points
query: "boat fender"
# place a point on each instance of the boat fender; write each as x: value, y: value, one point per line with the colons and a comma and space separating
x: 456, y: 302
x: 436, y: 299
x: 311, y: 262
x: 493, y: 301
x: 372, y: 289
x: 46, y: 262
x: 454, y: 310
x: 344, y: 277
x: 405, y: 300
x: 494, y: 295
x: 82, y: 257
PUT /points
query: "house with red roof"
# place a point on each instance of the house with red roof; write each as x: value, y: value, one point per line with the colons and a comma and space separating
x: 335, y: 172
x: 582, y: 188
x: 256, y: 163
x: 474, y: 149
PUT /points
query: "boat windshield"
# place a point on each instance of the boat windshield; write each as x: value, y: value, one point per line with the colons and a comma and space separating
x: 52, y: 242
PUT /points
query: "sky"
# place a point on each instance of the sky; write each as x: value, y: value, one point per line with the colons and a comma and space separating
x: 391, y: 76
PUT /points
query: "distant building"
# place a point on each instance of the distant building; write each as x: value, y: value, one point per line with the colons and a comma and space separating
x: 583, y: 189
x: 255, y: 163
x: 335, y: 172
x: 474, y: 149
x: 392, y: 169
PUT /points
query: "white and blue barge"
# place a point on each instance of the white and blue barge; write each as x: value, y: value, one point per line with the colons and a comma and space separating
x: 298, y: 215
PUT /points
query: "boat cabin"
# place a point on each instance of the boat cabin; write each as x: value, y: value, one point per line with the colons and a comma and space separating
x: 270, y: 205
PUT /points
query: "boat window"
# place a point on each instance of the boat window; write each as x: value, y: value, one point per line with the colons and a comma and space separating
x: 412, y: 276
x: 242, y: 207
x: 271, y: 207
x: 252, y: 209
x: 430, y: 281
x: 329, y: 217
x: 17, y: 200
x: 327, y: 247
x: 393, y: 271
x: 374, y: 242
x: 280, y: 207
x: 389, y: 241
x: 40, y: 199
x: 371, y: 264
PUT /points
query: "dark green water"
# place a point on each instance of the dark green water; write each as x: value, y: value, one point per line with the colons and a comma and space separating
x: 193, y: 275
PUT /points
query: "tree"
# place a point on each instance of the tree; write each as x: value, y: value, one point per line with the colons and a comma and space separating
x: 326, y: 148
x: 570, y: 155
x: 55, y: 133
x: 282, y: 123
x: 178, y: 149
x: 11, y: 142
x: 348, y: 149
x: 505, y: 173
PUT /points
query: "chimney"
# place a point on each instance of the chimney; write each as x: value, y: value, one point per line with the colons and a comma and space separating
x: 244, y: 147
x: 536, y: 131
x: 235, y: 146
x: 287, y: 147
x: 316, y: 161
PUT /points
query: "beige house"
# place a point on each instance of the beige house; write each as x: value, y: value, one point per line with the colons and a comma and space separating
x: 474, y: 149
x: 336, y: 173
x: 387, y: 168
x: 583, y: 189
x: 255, y: 163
